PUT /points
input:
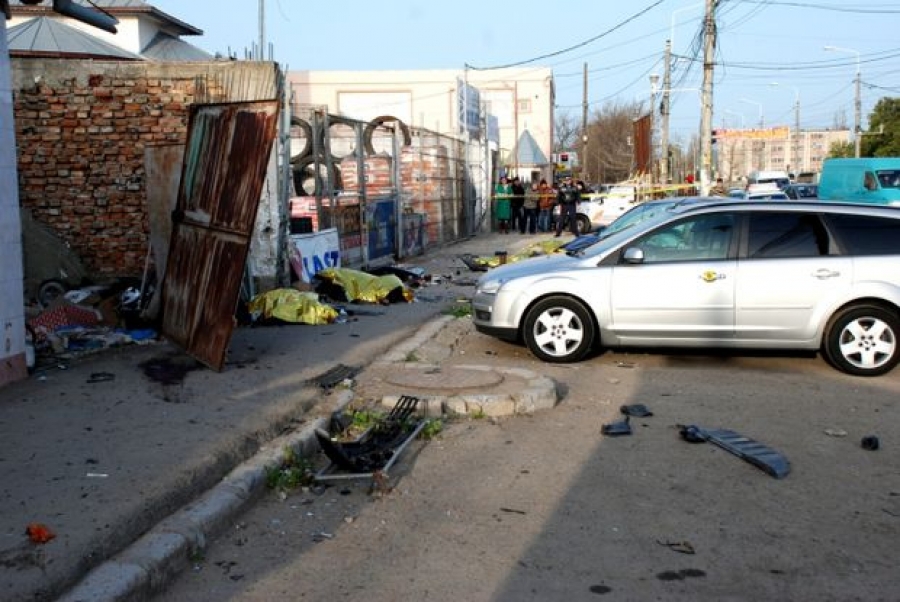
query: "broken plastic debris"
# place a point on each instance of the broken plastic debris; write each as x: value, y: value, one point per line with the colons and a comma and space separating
x: 39, y: 533
x: 622, y: 427
x: 836, y: 432
x: 870, y: 442
x: 636, y: 409
x: 683, y: 547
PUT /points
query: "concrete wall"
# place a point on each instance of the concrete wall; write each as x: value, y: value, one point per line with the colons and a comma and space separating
x: 12, y: 312
x: 82, y: 127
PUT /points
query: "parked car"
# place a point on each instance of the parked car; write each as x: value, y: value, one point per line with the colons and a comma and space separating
x: 873, y: 180
x: 733, y: 274
x: 765, y: 192
x: 802, y: 191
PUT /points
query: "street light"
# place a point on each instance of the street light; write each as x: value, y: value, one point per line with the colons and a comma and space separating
x: 857, y: 110
x: 672, y: 26
x: 795, y: 155
x: 759, y: 106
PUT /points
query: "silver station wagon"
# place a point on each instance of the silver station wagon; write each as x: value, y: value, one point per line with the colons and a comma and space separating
x: 741, y: 275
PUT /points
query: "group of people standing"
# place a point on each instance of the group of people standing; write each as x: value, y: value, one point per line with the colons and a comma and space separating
x: 532, y: 210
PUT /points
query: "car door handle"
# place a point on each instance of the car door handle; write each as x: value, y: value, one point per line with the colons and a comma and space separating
x: 824, y: 273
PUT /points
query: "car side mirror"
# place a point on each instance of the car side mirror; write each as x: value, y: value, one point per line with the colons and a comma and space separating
x: 633, y: 255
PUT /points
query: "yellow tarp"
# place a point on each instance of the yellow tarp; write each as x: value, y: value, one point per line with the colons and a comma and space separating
x: 543, y: 247
x: 291, y: 305
x: 362, y: 286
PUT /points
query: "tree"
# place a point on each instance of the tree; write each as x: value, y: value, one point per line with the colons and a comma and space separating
x: 841, y: 150
x: 883, y: 137
x: 566, y: 132
x: 608, y: 156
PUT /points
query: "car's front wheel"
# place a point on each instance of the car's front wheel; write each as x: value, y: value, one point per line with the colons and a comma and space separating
x: 559, y: 329
x: 862, y: 340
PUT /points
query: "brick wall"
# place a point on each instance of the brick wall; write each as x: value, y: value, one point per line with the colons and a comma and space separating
x: 81, y: 129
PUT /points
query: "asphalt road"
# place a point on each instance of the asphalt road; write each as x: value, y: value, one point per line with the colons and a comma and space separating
x: 545, y: 507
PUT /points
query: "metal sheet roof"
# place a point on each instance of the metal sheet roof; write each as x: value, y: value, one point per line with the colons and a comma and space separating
x: 45, y: 36
x: 527, y: 151
x: 164, y: 47
x: 113, y: 7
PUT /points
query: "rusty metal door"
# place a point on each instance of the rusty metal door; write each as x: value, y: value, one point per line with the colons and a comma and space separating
x: 226, y: 157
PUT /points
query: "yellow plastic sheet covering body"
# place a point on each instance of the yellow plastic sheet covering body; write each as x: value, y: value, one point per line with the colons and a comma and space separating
x: 291, y: 305
x: 544, y: 247
x: 361, y: 286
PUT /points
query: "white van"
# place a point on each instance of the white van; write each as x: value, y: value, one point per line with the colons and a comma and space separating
x: 779, y: 178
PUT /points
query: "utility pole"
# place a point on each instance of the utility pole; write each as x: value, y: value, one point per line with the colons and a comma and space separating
x: 857, y: 110
x: 706, y: 101
x: 664, y: 116
x: 582, y: 156
x: 262, y: 30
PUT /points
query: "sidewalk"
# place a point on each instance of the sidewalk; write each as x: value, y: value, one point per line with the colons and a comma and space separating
x: 109, y: 449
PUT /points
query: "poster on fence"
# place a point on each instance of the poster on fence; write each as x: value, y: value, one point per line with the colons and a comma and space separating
x: 313, y: 252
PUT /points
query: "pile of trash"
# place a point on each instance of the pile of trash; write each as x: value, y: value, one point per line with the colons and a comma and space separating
x: 86, y: 320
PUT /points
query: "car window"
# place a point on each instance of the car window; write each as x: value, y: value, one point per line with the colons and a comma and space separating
x: 889, y: 178
x: 700, y: 237
x: 867, y: 235
x: 783, y: 234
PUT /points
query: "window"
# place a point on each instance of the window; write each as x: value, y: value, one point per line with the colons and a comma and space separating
x: 701, y: 237
x: 866, y: 235
x: 786, y: 235
x: 524, y: 105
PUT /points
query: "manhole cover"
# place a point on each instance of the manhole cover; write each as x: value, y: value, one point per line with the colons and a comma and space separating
x: 444, y: 378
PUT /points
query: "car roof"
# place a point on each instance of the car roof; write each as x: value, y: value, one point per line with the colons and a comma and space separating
x: 808, y: 206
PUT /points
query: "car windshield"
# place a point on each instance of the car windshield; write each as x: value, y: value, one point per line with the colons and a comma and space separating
x: 635, y: 223
x: 889, y: 178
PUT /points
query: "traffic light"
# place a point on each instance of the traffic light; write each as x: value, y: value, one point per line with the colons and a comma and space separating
x: 564, y: 157
x: 714, y: 132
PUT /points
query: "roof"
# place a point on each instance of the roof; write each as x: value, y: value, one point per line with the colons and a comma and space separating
x: 115, y: 8
x: 48, y: 37
x: 527, y: 151
x: 164, y: 47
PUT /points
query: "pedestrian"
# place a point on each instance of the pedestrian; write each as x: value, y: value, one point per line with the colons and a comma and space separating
x: 568, y: 198
x: 517, y: 204
x: 530, y: 208
x: 546, y: 200
x: 719, y: 189
x: 502, y: 211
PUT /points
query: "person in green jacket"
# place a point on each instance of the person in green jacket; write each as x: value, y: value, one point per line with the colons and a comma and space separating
x: 502, y: 207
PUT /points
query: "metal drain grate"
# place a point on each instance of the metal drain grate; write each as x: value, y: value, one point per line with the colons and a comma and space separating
x: 334, y: 376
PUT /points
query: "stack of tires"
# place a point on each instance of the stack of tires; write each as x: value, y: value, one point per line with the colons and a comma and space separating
x: 315, y: 163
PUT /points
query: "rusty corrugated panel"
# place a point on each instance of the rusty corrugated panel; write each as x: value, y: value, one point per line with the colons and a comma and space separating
x: 225, y: 163
x: 642, y: 144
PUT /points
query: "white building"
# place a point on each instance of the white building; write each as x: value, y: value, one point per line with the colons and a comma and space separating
x: 521, y: 99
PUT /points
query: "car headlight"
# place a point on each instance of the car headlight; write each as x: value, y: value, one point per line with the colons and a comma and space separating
x: 488, y: 287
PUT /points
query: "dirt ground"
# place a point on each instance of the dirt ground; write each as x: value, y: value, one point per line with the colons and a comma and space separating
x: 545, y: 507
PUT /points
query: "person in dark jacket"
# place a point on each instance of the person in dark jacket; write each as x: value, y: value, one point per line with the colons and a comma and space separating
x: 518, y: 205
x: 567, y: 198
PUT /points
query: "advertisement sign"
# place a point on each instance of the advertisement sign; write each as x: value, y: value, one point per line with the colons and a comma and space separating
x: 468, y: 101
x: 310, y: 253
x: 382, y: 228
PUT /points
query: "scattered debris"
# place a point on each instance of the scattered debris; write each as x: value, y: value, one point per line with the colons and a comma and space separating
x: 766, y: 459
x: 513, y: 511
x: 836, y: 432
x: 372, y: 454
x: 870, y: 443
x: 613, y: 429
x: 39, y: 533
x: 683, y: 547
x: 637, y: 410
x: 100, y: 377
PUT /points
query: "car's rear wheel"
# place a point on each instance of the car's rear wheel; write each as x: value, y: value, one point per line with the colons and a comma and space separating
x: 862, y: 340
x: 559, y: 330
x: 584, y: 224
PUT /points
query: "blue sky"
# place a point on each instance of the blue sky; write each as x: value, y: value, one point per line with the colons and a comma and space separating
x: 770, y: 52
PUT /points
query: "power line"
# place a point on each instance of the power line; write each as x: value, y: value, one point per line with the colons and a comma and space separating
x: 576, y: 46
